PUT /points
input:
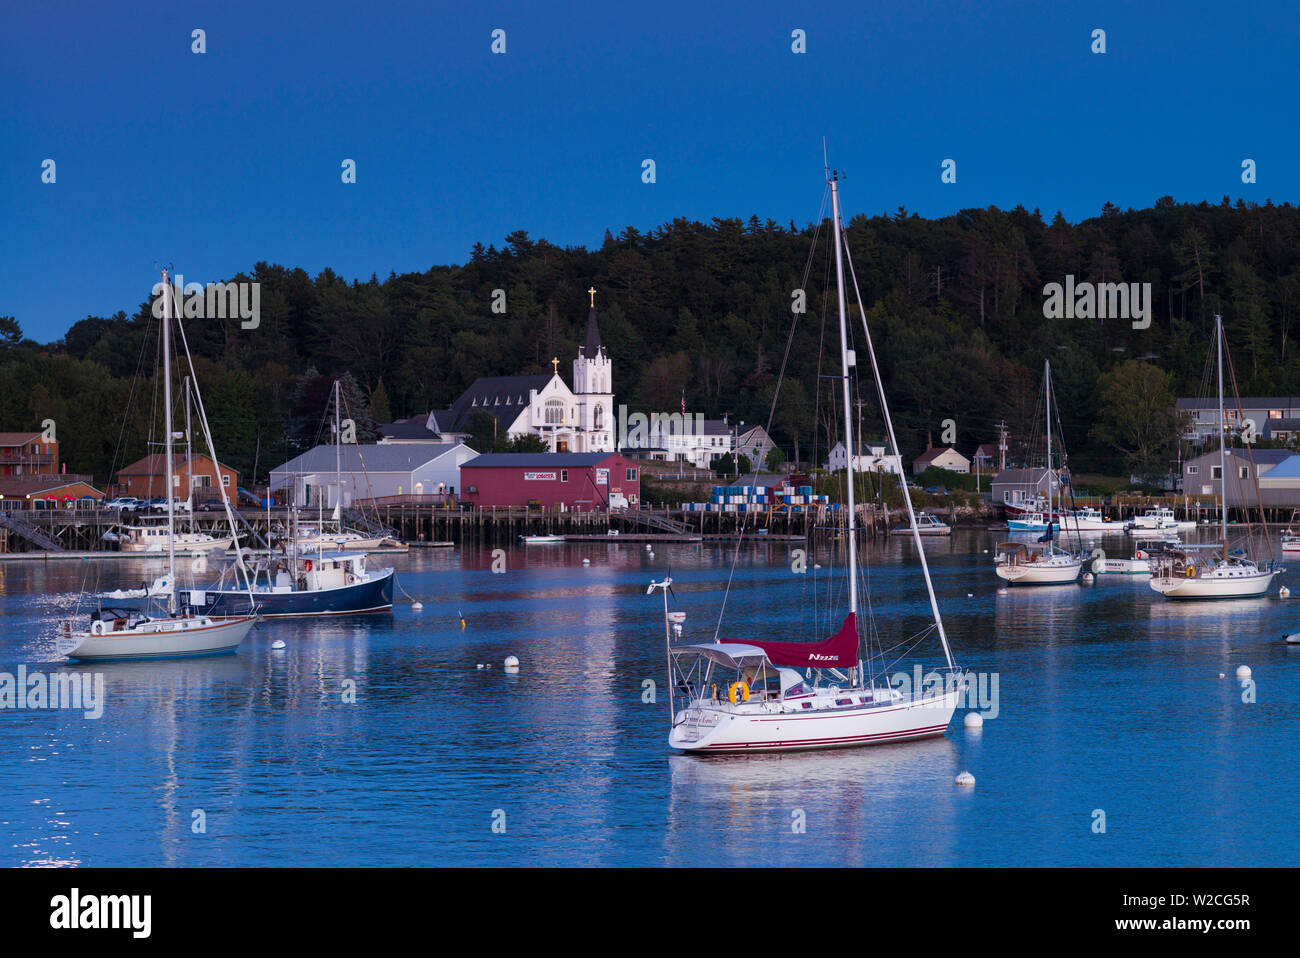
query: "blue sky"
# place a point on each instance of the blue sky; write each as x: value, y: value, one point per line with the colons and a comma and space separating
x: 216, y: 161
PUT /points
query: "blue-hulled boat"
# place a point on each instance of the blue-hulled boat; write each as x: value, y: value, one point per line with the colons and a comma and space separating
x: 329, y: 583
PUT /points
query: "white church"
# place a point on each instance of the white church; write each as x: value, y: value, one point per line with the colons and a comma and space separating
x: 580, y: 419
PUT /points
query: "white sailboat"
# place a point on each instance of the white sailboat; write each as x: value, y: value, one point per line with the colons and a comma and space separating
x: 1019, y: 564
x: 1187, y: 572
x: 789, y: 696
x: 177, y: 631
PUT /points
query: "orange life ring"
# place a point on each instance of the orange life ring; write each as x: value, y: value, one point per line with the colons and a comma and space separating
x: 306, y: 566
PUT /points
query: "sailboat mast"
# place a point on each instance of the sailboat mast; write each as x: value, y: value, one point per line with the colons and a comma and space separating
x: 846, y: 363
x: 1223, y: 441
x: 1047, y: 394
x: 189, y: 456
x: 167, y: 426
x: 338, y: 467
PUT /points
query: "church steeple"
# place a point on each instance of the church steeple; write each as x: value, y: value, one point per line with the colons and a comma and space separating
x: 592, y: 345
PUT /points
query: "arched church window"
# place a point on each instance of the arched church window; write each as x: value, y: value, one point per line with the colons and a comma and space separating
x: 599, y: 422
x: 554, y: 412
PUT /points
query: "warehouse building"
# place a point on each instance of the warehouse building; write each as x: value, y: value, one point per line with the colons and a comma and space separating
x: 575, y: 481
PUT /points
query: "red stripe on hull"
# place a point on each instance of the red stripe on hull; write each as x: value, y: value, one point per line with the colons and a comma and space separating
x: 933, y: 730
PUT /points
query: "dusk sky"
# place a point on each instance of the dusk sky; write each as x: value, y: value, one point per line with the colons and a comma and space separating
x: 215, y: 161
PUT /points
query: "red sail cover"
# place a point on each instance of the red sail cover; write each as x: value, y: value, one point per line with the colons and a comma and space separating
x: 839, y: 651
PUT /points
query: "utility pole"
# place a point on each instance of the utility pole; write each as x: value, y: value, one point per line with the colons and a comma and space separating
x: 1002, y: 445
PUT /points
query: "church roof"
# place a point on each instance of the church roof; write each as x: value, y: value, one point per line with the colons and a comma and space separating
x: 592, y: 345
x: 502, y: 396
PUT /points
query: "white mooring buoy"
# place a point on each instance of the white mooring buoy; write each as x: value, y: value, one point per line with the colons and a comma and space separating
x: 1243, y: 671
x: 511, y: 663
x: 1002, y: 590
x: 1089, y: 578
x: 1283, y: 592
x: 966, y: 778
x: 586, y: 562
x: 417, y: 606
x: 278, y: 644
x: 647, y: 547
x: 974, y: 720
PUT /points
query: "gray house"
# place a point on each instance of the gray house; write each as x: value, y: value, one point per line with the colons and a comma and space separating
x: 1023, y: 487
x: 1272, y: 416
x: 1201, y: 476
x: 375, y: 471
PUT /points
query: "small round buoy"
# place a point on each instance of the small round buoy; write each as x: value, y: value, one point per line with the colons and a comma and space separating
x: 1089, y: 578
x: 481, y: 666
x: 1293, y: 638
x: 986, y: 551
x: 511, y: 662
x: 974, y: 720
x: 970, y: 595
x: 965, y: 778
x: 278, y: 644
x: 1243, y: 671
x: 647, y: 547
x: 1220, y: 675
x: 1283, y: 592
x: 417, y: 606
x: 586, y: 562
x: 1002, y: 590
x: 817, y: 565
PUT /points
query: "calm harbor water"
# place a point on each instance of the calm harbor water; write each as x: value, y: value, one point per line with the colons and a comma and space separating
x: 1109, y: 698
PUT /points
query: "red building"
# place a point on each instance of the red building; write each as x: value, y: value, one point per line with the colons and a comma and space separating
x: 26, y: 454
x: 578, y: 481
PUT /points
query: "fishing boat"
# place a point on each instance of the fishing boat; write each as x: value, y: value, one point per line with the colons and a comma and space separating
x: 1188, y: 572
x: 1028, y: 522
x: 539, y: 540
x: 926, y: 525
x: 1159, y: 519
x: 1088, y: 519
x: 311, y: 584
x: 1016, y: 562
x: 776, y: 696
x: 176, y: 630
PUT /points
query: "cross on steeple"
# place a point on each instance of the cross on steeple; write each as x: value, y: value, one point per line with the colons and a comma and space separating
x: 555, y: 366
x: 592, y: 291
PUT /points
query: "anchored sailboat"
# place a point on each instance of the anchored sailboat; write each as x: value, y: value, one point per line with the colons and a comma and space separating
x: 1016, y: 562
x: 785, y: 696
x: 177, y: 631
x: 1188, y: 573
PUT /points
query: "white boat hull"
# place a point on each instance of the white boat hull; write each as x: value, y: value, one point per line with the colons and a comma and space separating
x: 185, y: 545
x: 1040, y: 573
x: 1234, y: 585
x: 705, y: 727
x: 159, y: 639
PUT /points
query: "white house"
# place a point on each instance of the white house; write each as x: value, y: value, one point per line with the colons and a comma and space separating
x: 580, y: 419
x: 872, y: 459
x: 945, y: 458
x: 754, y: 442
x: 676, y: 438
x: 371, y: 472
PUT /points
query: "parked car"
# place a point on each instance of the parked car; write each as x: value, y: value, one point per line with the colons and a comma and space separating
x: 936, y: 490
x: 123, y: 503
x: 246, y: 498
x: 159, y: 504
x: 209, y: 505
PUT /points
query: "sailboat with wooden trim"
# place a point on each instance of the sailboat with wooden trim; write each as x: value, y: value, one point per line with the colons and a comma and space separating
x: 749, y: 695
x: 176, y: 630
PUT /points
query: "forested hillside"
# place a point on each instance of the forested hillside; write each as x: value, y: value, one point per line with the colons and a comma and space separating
x: 955, y: 304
